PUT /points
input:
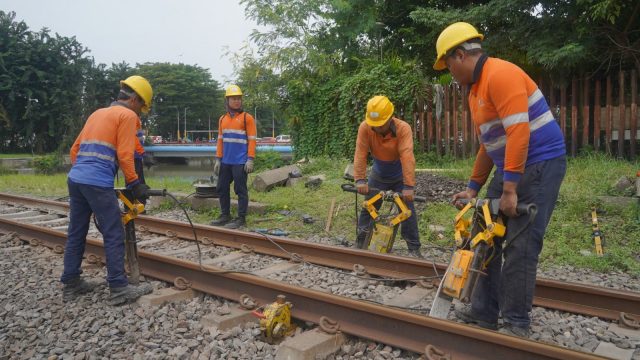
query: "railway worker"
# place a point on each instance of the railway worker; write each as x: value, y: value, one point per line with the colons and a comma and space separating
x: 521, y: 138
x: 235, y: 153
x: 390, y: 142
x: 106, y: 142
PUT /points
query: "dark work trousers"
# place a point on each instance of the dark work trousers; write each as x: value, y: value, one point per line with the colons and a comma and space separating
x: 408, y: 228
x: 510, y: 283
x: 139, y: 166
x: 233, y: 173
x: 102, y: 201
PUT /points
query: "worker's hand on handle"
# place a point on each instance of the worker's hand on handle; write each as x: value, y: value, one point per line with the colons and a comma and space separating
x: 463, y: 195
x: 407, y: 195
x: 509, y: 199
x: 140, y: 190
x: 362, y: 187
x: 216, y: 167
x: 248, y: 166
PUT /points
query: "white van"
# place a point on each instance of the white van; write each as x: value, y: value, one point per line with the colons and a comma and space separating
x: 283, y: 138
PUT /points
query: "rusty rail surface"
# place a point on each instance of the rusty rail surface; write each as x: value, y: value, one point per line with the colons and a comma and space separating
x: 386, y: 325
x: 576, y: 298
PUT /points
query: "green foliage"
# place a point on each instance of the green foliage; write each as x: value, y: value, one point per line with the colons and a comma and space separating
x: 48, y: 164
x: 267, y: 160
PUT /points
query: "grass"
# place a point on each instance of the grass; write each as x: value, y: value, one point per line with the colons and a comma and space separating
x: 569, y: 232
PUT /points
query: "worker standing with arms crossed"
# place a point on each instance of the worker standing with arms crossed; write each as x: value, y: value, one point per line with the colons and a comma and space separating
x: 521, y: 138
x: 390, y: 142
x: 107, y: 141
x: 235, y: 153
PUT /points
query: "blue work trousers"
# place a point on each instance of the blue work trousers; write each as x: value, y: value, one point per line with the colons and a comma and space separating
x: 101, y: 201
x: 237, y: 175
x: 408, y: 228
x: 511, y: 276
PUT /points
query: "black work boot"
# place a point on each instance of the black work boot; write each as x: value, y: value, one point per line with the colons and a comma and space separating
x: 129, y: 293
x: 361, y: 239
x: 75, y: 287
x: 416, y: 253
x: 222, y: 220
x: 465, y: 314
x: 236, y: 223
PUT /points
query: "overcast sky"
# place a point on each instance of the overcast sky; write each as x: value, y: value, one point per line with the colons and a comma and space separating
x: 187, y: 31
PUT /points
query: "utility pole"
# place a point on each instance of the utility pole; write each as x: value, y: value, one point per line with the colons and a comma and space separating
x: 178, y: 118
x: 185, y: 124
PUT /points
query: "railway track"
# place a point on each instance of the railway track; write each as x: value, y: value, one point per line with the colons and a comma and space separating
x: 364, y: 319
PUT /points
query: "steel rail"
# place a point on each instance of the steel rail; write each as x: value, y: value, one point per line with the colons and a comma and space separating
x: 576, y: 298
x: 397, y: 328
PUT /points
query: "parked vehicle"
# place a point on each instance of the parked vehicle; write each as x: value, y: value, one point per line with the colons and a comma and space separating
x: 283, y: 138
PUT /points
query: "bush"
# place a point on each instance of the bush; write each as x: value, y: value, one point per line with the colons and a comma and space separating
x: 48, y: 164
x: 268, y: 160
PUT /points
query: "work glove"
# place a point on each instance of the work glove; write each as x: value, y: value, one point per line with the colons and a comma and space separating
x: 248, y: 166
x: 362, y: 187
x: 140, y: 191
x: 407, y: 195
x: 216, y: 167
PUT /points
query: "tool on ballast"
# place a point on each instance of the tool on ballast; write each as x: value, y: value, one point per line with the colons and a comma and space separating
x: 383, y: 228
x: 133, y: 208
x: 275, y: 319
x: 597, y: 235
x: 476, y: 225
x: 274, y: 232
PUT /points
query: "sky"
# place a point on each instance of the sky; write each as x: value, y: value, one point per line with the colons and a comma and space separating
x: 194, y: 32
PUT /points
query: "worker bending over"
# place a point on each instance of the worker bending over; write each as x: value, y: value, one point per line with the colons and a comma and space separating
x: 107, y: 141
x: 521, y: 138
x: 390, y: 142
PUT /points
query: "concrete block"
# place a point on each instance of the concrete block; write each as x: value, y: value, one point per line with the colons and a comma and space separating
x: 234, y: 318
x: 309, y: 345
x: 410, y: 296
x: 208, y: 203
x: 608, y: 350
x: 165, y: 295
x: 154, y: 241
x: 267, y: 180
x: 623, y: 331
x: 293, y: 181
x: 277, y: 268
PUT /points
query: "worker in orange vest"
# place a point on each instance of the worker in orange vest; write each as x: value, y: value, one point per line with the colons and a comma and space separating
x: 520, y: 137
x: 107, y: 142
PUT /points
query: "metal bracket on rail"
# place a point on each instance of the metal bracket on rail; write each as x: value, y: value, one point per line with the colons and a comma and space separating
x: 247, y: 302
x: 246, y: 249
x: 360, y: 270
x: 329, y: 325
x: 58, y: 249
x: 630, y: 321
x: 181, y: 283
x: 433, y: 353
x: 296, y: 258
x: 93, y: 259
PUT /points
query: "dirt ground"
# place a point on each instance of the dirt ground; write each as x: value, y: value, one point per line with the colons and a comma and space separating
x: 437, y: 188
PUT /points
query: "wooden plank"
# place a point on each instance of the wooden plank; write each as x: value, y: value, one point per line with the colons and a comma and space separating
x: 563, y: 110
x: 330, y: 215
x: 454, y: 120
x: 585, y: 112
x: 634, y: 113
x: 465, y: 124
x: 608, y: 117
x: 574, y: 116
x: 621, y: 125
x: 429, y: 128
x: 447, y: 119
x: 596, y: 117
x: 422, y: 127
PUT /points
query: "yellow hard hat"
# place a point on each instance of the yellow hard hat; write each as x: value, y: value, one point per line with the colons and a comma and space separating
x: 454, y: 35
x: 233, y: 90
x: 379, y: 110
x: 142, y: 87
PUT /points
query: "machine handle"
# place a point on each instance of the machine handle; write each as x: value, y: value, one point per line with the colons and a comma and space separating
x: 521, y: 208
x: 162, y: 192
x: 372, y: 191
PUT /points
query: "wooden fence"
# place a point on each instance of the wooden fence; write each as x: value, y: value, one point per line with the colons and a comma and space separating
x: 592, y: 113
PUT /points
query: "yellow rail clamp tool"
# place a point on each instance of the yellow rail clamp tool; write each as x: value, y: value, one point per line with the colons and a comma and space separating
x: 598, y: 237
